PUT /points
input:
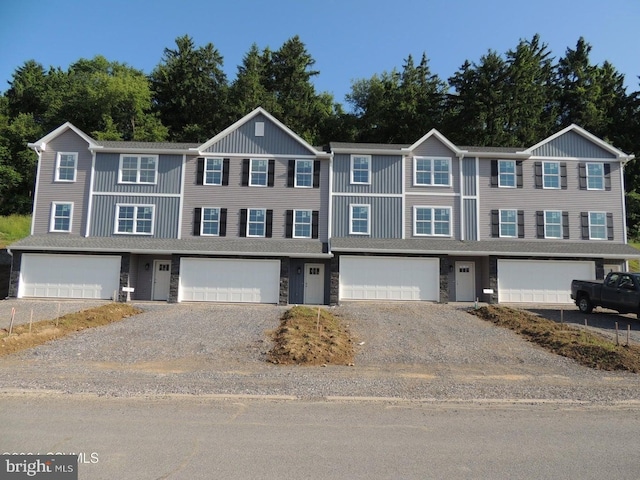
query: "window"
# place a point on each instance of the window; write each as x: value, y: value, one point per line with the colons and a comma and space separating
x: 509, y: 223
x: 359, y: 219
x: 258, y: 173
x: 432, y: 221
x: 597, y: 225
x: 361, y: 169
x: 431, y: 171
x: 256, y: 222
x: 507, y: 173
x: 302, y: 224
x: 138, y: 169
x: 304, y: 173
x: 135, y: 219
x: 595, y: 176
x: 552, y: 224
x: 212, y: 171
x: 210, y: 224
x: 550, y: 175
x: 66, y: 165
x: 61, y: 214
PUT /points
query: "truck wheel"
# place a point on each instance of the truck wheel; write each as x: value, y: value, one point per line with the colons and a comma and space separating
x: 584, y: 304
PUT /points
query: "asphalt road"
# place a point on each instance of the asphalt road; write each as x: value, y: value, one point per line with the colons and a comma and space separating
x: 241, y: 437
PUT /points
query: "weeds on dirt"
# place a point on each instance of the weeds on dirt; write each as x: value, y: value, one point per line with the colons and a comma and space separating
x: 304, y: 338
x: 587, y: 348
x: 27, y: 336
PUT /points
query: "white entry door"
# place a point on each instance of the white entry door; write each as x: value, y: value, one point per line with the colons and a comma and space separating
x: 465, y: 281
x: 161, y: 279
x: 313, y: 283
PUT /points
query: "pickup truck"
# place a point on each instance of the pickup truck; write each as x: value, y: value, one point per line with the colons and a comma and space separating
x: 619, y: 291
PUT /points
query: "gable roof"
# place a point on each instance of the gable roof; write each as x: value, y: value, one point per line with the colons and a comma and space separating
x: 42, y: 143
x: 435, y: 133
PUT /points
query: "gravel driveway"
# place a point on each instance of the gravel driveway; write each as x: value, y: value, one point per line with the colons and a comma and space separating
x: 411, y: 351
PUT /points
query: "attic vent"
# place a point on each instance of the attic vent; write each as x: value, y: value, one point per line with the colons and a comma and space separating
x: 259, y: 129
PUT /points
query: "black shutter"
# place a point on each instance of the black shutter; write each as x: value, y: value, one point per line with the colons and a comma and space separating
x: 584, y: 224
x: 540, y: 224
x: 563, y: 176
x: 316, y: 173
x: 494, y: 173
x: 495, y: 223
x: 519, y: 174
x: 609, y: 226
x: 289, y: 224
x: 314, y: 224
x: 607, y: 176
x: 582, y: 175
x: 537, y: 169
x: 225, y: 171
x: 200, y: 172
x: 245, y: 172
x: 520, y: 223
x: 565, y: 225
x: 222, y: 231
x: 271, y: 175
x: 243, y: 222
x: 197, y: 218
x: 268, y: 224
x: 291, y: 172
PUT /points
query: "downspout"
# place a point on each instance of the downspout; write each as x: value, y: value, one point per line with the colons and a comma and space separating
x: 90, y: 200
x: 461, y: 184
x: 35, y: 191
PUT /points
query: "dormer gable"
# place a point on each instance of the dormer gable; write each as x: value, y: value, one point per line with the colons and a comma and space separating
x: 433, y: 140
x: 41, y: 145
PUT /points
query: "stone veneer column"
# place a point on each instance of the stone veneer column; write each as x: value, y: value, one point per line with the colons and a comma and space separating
x: 493, y: 279
x: 284, y: 281
x: 174, y: 280
x: 334, y: 280
x: 125, y: 267
x: 14, y: 278
x: 445, y: 263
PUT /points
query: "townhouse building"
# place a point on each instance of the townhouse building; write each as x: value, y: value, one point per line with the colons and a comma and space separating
x: 256, y: 214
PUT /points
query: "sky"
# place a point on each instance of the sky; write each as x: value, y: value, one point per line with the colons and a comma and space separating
x: 349, y: 39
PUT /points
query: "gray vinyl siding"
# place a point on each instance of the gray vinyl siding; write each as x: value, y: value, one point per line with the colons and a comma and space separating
x: 432, y: 201
x: 104, y: 213
x: 106, y: 175
x: 243, y: 140
x: 69, y: 192
x: 470, y: 219
x: 235, y: 197
x: 385, y: 216
x: 469, y: 176
x: 530, y: 199
x: 572, y: 144
x: 386, y: 175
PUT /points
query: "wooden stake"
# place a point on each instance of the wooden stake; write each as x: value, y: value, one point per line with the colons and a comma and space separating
x: 58, y: 316
x: 13, y: 314
x: 628, y: 333
x: 31, y: 320
x: 562, y: 315
x: 318, y: 322
x: 617, y: 337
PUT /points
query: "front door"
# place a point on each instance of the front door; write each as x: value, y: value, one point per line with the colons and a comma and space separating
x: 161, y: 278
x: 465, y: 281
x: 313, y: 283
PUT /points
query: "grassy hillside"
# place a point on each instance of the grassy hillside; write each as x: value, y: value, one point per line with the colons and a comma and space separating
x: 634, y: 265
x: 14, y: 227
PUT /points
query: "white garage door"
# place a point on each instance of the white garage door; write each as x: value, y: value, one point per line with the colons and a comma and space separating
x: 538, y: 281
x: 389, y: 278
x: 69, y: 276
x: 229, y: 280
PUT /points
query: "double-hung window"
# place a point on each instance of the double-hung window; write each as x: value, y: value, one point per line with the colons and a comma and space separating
x: 432, y: 171
x: 66, y: 166
x: 256, y: 222
x: 550, y: 174
x: 138, y: 169
x: 597, y: 225
x: 359, y: 219
x: 507, y: 173
x: 134, y: 219
x: 302, y: 224
x: 304, y: 173
x: 595, y: 176
x: 509, y: 223
x: 61, y: 215
x: 553, y: 224
x: 432, y: 221
x: 213, y: 171
x: 210, y: 223
x: 361, y: 169
x: 258, y: 173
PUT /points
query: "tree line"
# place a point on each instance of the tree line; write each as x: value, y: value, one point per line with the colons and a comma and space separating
x: 516, y: 98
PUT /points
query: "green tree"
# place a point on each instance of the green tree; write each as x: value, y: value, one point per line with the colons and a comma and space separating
x: 249, y: 89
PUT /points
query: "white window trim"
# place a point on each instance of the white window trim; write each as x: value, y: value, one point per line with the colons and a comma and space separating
x: 515, y: 174
x: 204, y: 174
x: 559, y: 175
x: 202, y: 234
x: 266, y: 173
x: 52, y: 219
x: 139, y: 158
x: 135, y: 216
x: 591, y: 237
x: 431, y: 159
x: 353, y: 157
x: 264, y: 223
x: 433, y: 221
x: 351, y: 207
x: 310, y: 224
x: 500, y: 223
x: 75, y: 167
x: 295, y: 175
x: 586, y: 168
x: 544, y: 216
